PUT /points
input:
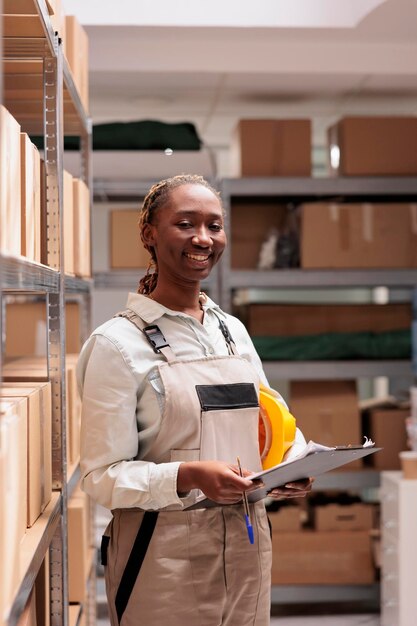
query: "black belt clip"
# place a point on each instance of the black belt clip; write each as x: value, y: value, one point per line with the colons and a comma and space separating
x: 155, y: 337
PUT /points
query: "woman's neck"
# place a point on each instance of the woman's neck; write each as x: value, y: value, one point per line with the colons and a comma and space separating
x: 184, y: 300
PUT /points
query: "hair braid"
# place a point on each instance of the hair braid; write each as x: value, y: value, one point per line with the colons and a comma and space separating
x: 157, y: 196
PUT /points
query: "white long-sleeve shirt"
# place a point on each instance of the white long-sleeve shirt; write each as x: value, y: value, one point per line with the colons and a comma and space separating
x: 121, y: 412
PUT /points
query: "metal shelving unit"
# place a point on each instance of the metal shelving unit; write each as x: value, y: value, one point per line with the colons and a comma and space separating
x: 43, y: 98
x: 298, y: 190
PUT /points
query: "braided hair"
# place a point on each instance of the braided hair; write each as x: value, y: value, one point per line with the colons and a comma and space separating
x: 157, y: 196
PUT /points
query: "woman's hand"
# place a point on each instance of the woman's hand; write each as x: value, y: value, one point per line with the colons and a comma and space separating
x: 217, y: 480
x: 296, y: 489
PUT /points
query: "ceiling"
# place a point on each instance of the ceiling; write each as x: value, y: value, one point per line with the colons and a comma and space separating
x: 214, y: 75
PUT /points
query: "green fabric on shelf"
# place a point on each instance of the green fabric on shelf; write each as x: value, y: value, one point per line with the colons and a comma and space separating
x: 394, y: 344
x: 142, y: 135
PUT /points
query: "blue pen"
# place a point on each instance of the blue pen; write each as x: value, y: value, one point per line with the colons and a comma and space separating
x: 249, y: 526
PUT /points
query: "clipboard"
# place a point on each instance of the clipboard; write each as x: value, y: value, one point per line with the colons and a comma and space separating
x: 319, y: 461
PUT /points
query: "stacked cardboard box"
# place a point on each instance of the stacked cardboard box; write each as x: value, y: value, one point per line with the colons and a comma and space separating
x: 289, y: 320
x: 385, y: 421
x: 322, y: 558
x: 358, y: 235
x: 327, y: 412
x: 26, y: 328
x: 13, y: 490
x: 373, y: 146
x: 81, y: 207
x: 271, y: 148
x: 80, y: 552
x: 38, y: 408
x: 76, y: 52
x: 31, y: 200
x: 10, y: 188
x: 126, y: 248
x: 251, y: 224
x: 33, y: 369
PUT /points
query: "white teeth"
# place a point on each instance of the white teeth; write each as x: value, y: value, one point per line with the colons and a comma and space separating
x: 197, y: 257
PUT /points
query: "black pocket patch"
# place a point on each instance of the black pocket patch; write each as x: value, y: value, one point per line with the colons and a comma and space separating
x: 234, y: 396
x: 105, y: 540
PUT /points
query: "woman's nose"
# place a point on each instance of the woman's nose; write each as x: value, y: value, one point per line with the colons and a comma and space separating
x: 202, y: 237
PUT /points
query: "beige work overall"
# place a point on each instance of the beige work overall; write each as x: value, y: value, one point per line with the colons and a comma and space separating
x: 199, y: 568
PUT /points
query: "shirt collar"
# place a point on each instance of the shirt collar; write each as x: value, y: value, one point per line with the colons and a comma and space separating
x: 150, y: 310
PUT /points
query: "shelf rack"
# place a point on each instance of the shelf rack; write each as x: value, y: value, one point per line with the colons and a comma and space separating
x: 39, y: 91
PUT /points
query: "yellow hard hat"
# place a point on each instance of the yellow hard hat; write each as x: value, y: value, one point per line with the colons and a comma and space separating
x: 276, y: 428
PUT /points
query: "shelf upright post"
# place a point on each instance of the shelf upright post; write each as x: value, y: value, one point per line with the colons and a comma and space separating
x: 87, y: 177
x: 225, y: 296
x: 53, y: 133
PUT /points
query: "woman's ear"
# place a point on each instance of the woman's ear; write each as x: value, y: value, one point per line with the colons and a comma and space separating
x: 148, y: 234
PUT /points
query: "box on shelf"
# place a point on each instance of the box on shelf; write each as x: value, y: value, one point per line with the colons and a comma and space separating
x: 337, y: 517
x: 126, y: 248
x: 373, y: 146
x: 386, y: 426
x: 76, y: 52
x: 82, y: 255
x: 39, y: 425
x: 79, y: 551
x: 287, y: 518
x: 10, y: 188
x: 26, y: 328
x: 358, y: 235
x: 69, y: 236
x: 313, y: 319
x: 271, y: 148
x: 322, y: 558
x: 73, y: 409
x: 250, y: 226
x: 327, y: 412
x: 31, y: 200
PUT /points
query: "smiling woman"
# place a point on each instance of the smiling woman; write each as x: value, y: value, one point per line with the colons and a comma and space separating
x: 170, y: 391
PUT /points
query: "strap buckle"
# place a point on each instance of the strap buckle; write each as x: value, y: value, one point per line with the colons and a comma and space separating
x: 155, y: 337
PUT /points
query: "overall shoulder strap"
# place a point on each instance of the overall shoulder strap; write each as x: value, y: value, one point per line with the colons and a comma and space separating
x: 152, y: 333
x: 231, y: 346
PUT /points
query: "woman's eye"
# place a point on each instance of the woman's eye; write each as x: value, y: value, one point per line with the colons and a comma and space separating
x: 184, y: 224
x: 216, y: 227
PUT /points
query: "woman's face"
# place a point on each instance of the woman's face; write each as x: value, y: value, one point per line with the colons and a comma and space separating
x: 188, y: 234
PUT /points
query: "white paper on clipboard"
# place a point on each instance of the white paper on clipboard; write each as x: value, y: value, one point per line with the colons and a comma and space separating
x: 314, y: 460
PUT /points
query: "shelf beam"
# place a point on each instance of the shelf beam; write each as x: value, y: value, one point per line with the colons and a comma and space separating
x: 336, y: 370
x: 297, y: 278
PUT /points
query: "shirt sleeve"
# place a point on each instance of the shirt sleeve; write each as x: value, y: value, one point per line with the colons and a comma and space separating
x: 109, y: 436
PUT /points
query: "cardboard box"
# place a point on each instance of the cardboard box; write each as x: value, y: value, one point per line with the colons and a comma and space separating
x: 271, y: 148
x: 327, y: 412
x: 76, y: 52
x: 322, y: 558
x: 73, y: 410
x: 287, y: 518
x: 373, y: 146
x: 289, y: 320
x: 26, y: 330
x: 126, y: 248
x: 69, y: 223
x: 79, y: 552
x: 251, y: 224
x: 339, y: 517
x: 386, y: 426
x: 11, y: 508
x: 10, y: 200
x: 82, y: 253
x: 358, y: 235
x: 31, y: 200
x: 39, y: 443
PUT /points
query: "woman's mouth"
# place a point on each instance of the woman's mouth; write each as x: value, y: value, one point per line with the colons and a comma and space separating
x: 200, y: 258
